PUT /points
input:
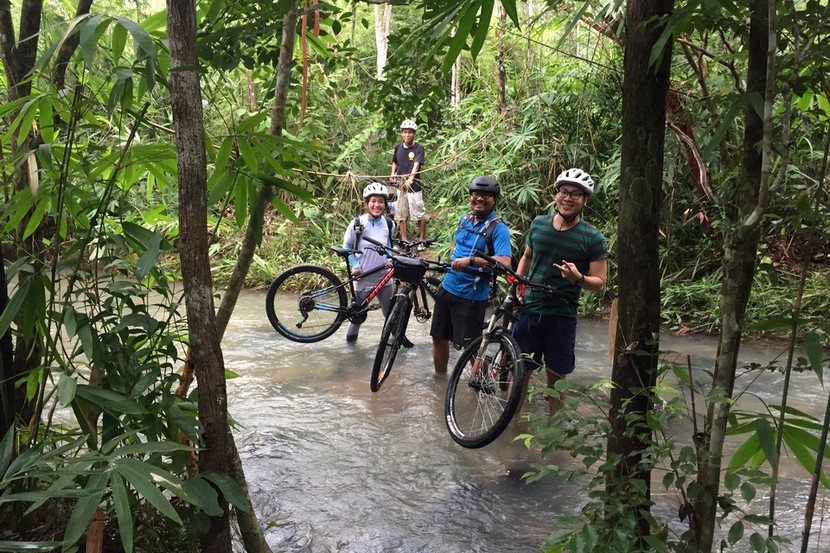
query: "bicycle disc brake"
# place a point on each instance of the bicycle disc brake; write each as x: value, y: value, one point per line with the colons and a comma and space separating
x: 422, y: 315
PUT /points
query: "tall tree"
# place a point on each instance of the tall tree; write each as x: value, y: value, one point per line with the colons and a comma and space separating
x: 186, y: 103
x: 746, y: 210
x: 641, y: 177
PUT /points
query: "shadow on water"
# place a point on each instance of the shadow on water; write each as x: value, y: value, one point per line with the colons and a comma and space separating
x: 334, y: 467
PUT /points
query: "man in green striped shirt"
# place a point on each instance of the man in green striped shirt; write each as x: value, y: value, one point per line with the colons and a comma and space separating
x: 564, y: 251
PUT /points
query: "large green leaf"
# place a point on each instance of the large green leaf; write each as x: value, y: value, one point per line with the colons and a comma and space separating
x: 143, y: 481
x: 85, y: 507
x: 815, y: 353
x: 110, y: 401
x: 229, y: 488
x: 121, y: 502
x: 149, y: 258
x: 14, y: 305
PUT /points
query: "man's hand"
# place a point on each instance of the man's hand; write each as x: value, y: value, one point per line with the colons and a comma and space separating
x: 568, y: 270
x: 357, y: 272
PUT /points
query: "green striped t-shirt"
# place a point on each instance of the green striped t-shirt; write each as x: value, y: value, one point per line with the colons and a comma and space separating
x: 580, y: 244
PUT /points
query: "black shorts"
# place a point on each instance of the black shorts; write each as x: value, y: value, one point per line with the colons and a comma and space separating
x: 456, y: 319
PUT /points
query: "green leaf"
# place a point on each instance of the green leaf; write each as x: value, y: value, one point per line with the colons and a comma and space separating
x: 142, y: 480
x: 36, y: 219
x: 745, y: 452
x: 206, y: 495
x: 766, y: 435
x: 736, y: 532
x: 15, y: 305
x: 142, y: 39
x: 46, y: 118
x: 121, y: 502
x: 757, y: 542
x: 6, y: 450
x: 110, y: 401
x: 249, y: 124
x: 66, y: 389
x: 240, y: 200
x: 731, y: 481
x: 149, y: 259
x: 482, y: 28
x: 88, y: 39
x: 465, y: 24
x: 812, y: 345
x: 229, y: 488
x: 119, y: 41
x: 85, y: 507
x: 747, y: 491
x: 248, y: 156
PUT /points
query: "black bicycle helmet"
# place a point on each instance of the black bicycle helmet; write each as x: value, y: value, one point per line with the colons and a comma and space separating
x: 485, y: 184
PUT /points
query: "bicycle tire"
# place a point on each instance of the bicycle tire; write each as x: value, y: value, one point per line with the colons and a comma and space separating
x: 390, y: 341
x: 306, y: 303
x: 478, y: 409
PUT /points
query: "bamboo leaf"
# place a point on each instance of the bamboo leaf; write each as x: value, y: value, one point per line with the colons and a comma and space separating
x: 85, y: 507
x: 745, y: 452
x: 14, y: 305
x: 142, y: 480
x: 149, y: 258
x: 121, y: 501
x: 109, y: 400
x: 119, y: 41
x: 457, y: 43
x: 229, y: 488
x: 37, y: 216
x: 87, y: 38
x: 46, y: 118
x: 766, y: 435
x: 812, y: 344
x: 482, y: 28
x: 248, y: 156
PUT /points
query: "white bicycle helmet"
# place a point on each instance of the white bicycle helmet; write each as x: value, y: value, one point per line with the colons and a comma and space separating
x: 409, y: 124
x: 375, y: 189
x: 576, y: 177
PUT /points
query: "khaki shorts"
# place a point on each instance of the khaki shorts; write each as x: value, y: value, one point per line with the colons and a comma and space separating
x: 410, y: 206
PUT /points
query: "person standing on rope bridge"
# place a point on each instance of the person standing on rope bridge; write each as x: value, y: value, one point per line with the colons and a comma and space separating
x: 407, y: 160
x: 565, y: 251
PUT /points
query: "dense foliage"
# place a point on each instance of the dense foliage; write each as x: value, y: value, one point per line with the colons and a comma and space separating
x: 90, y: 206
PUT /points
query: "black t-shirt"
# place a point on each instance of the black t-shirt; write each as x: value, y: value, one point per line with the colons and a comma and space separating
x: 406, y: 158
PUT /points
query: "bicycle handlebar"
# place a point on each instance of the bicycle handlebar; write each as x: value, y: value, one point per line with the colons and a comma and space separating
x: 391, y: 252
x: 501, y: 267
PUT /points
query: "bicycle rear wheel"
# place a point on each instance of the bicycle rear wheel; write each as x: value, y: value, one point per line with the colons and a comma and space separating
x: 306, y: 303
x: 480, y: 404
x: 390, y: 341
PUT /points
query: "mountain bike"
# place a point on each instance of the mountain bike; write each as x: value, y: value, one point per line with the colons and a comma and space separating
x: 308, y: 303
x: 485, y: 387
x: 411, y: 274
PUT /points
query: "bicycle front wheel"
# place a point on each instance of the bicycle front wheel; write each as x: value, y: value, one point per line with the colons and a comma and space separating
x: 390, y: 341
x: 306, y: 303
x: 484, y: 390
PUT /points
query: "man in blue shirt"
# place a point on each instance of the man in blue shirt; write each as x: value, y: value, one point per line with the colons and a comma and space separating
x: 459, y: 309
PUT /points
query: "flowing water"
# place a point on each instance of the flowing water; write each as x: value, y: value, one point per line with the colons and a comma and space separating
x: 333, y: 467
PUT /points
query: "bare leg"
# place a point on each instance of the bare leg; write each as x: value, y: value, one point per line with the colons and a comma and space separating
x: 422, y: 227
x: 440, y: 355
x: 554, y: 403
x: 402, y: 229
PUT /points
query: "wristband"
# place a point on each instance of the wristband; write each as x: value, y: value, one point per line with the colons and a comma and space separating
x: 581, y: 281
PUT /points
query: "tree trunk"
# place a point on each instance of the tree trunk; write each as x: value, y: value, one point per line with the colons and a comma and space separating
x: 383, y: 22
x: 638, y: 324
x: 186, y: 103
x: 501, y: 56
x: 740, y: 252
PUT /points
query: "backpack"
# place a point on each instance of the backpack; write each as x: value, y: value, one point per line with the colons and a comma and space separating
x: 489, y: 228
x: 358, y: 228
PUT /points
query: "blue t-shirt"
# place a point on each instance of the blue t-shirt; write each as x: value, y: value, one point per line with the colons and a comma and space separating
x: 474, y: 283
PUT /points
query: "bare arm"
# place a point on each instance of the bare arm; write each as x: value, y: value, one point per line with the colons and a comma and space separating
x: 593, y: 282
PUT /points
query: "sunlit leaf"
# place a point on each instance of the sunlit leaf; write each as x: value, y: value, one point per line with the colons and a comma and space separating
x: 766, y: 435
x: 66, y: 389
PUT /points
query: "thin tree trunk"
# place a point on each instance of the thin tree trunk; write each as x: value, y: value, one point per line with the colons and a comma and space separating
x: 501, y: 56
x: 739, y: 263
x: 186, y: 103
x: 383, y: 22
x: 641, y: 179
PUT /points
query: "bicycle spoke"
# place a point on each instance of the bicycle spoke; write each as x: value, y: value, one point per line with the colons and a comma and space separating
x: 483, y: 391
x: 305, y: 304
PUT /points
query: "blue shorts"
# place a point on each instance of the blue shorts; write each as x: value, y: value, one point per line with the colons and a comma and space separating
x: 551, y: 338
